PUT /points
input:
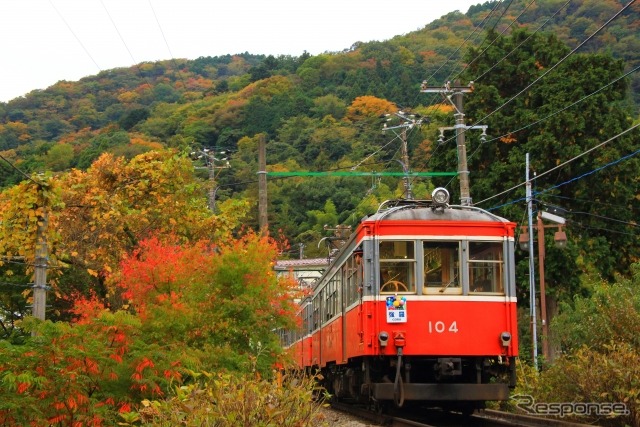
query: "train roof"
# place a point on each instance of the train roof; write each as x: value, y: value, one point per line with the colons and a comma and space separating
x: 426, y: 210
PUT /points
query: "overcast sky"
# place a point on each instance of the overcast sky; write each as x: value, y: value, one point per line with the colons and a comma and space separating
x: 44, y: 41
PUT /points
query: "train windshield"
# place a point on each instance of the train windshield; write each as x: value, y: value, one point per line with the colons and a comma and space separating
x: 486, y: 267
x: 397, y: 266
x: 442, y: 267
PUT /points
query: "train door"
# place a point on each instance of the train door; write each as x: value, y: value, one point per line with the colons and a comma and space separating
x: 359, y: 292
x: 344, y: 292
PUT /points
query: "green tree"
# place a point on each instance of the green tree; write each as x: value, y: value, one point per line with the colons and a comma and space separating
x: 59, y: 157
x: 537, y: 121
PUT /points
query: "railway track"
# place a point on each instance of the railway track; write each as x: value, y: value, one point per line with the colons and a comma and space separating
x: 435, y: 418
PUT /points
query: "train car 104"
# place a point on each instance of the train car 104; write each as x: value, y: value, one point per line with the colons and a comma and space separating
x: 419, y: 305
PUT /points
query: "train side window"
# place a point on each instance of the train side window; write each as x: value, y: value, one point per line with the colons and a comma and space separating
x: 397, y: 266
x: 316, y: 313
x: 441, y: 267
x: 332, y: 302
x: 352, y: 277
x: 486, y: 264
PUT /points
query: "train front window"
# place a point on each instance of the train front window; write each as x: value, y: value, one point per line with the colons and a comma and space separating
x: 486, y: 267
x: 441, y: 267
x: 397, y: 266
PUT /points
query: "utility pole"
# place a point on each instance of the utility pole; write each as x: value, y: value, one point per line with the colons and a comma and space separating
x: 454, y: 94
x: 41, y: 264
x: 532, y: 270
x: 210, y: 160
x: 408, y: 121
x: 262, y: 185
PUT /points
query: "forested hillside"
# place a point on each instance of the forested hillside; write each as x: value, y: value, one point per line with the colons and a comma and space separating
x: 529, y: 63
x: 169, y: 150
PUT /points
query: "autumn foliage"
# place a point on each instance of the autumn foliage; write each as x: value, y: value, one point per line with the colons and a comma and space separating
x: 175, y: 308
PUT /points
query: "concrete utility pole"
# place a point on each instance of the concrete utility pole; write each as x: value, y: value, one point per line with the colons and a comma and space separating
x: 454, y: 95
x: 262, y: 184
x: 532, y: 270
x: 41, y: 265
x: 210, y: 160
x: 212, y: 177
x: 408, y: 121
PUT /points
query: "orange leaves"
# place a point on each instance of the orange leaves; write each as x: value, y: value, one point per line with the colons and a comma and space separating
x: 156, y: 273
x: 22, y: 387
x: 368, y: 107
x: 508, y: 139
x: 86, y: 310
x: 144, y: 363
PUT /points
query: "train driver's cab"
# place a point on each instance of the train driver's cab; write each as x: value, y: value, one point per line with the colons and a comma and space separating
x: 441, y: 267
x: 397, y: 266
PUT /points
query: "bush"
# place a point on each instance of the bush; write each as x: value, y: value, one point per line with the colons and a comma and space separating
x: 228, y: 401
x: 610, y: 376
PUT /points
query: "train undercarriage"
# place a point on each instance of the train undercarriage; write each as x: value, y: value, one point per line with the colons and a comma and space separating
x: 452, y: 383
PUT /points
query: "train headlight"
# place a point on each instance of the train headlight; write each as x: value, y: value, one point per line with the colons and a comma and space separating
x: 383, y: 337
x: 505, y: 337
x: 440, y: 196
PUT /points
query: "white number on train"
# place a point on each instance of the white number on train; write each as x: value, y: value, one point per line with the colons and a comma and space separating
x: 440, y: 327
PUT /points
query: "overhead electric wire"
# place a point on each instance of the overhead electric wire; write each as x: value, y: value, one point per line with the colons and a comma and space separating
x: 19, y: 285
x: 431, y: 107
x: 590, y: 202
x: 561, y: 110
x: 602, y: 229
x: 549, y: 70
x: 631, y: 224
x: 118, y: 32
x: 465, y: 40
x: 160, y: 28
x: 74, y: 35
x: 494, y: 40
x: 521, y: 43
x: 492, y: 67
x: 565, y: 163
x: 18, y: 170
x: 357, y: 165
x: 615, y: 162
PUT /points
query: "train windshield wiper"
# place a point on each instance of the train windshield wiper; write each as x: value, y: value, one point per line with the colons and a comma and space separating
x: 448, y: 284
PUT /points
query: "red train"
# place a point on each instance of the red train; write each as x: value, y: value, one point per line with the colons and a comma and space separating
x: 418, y: 305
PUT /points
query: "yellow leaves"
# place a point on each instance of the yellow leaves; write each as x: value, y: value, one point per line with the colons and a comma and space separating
x: 128, y: 97
x: 444, y: 108
x: 93, y: 273
x: 22, y: 208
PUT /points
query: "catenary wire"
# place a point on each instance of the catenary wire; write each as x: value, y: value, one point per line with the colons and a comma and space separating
x: 615, y: 162
x: 549, y: 70
x: 523, y: 42
x: 74, y: 35
x: 562, y: 109
x: 118, y: 31
x: 565, y: 163
x: 496, y: 38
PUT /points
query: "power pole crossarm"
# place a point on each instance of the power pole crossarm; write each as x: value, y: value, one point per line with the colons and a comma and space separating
x: 454, y: 94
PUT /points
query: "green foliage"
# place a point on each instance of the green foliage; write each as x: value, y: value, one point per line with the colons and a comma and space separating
x: 59, y: 157
x: 610, y: 374
x: 225, y: 400
x: 610, y: 314
x: 599, y: 337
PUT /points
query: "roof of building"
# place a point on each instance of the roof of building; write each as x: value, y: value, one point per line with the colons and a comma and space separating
x: 285, y: 264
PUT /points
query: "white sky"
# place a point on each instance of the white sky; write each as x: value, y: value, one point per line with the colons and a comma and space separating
x: 44, y: 41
